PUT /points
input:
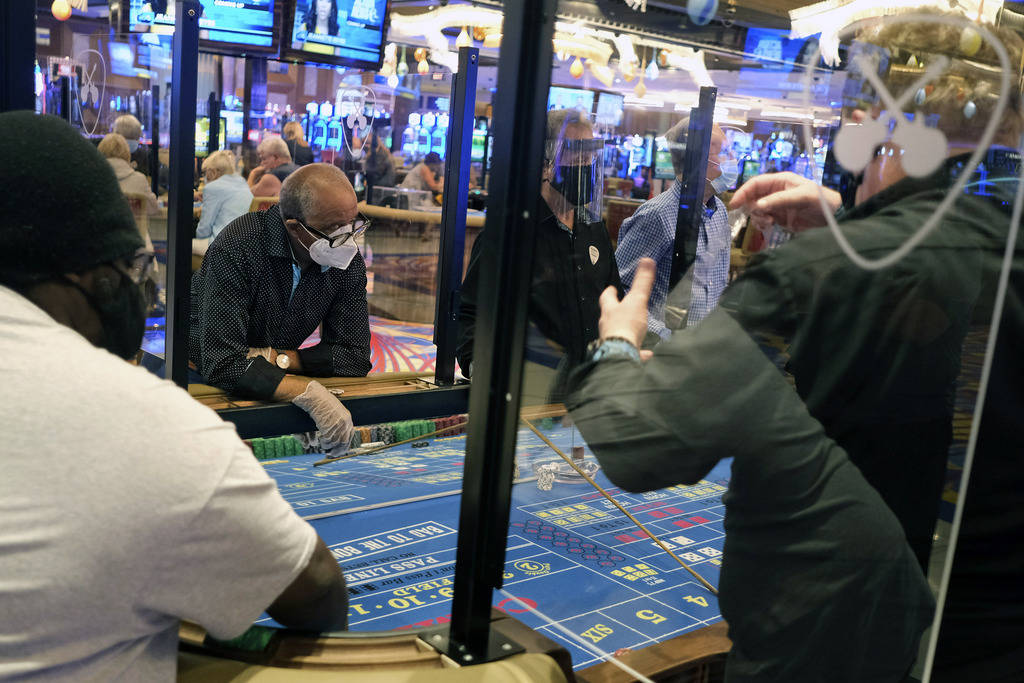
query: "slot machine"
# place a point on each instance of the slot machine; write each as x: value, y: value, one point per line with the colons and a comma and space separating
x: 425, y: 133
x: 335, y: 136
x: 410, y: 139
x: 439, y: 138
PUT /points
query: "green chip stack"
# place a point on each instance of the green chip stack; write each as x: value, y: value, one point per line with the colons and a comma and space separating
x: 278, y: 447
x: 256, y: 639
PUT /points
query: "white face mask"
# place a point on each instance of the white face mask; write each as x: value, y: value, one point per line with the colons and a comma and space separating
x: 132, y: 146
x: 730, y: 172
x: 340, y: 257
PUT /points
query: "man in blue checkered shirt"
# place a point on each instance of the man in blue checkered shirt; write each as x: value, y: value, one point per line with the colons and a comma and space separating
x: 651, y: 232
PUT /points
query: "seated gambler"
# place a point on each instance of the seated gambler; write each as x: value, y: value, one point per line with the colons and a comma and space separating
x: 271, y: 279
x: 127, y: 505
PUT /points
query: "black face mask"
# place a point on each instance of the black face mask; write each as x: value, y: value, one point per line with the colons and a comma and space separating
x: 575, y: 183
x: 122, y: 314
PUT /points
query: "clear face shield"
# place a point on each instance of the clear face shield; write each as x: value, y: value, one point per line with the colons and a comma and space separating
x: 576, y: 174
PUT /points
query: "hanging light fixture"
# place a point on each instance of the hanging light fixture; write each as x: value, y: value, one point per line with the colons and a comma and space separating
x: 640, y: 89
x: 61, y: 10
x: 463, y: 40
x: 652, y: 70
x: 577, y: 68
x: 402, y: 69
x: 423, y: 68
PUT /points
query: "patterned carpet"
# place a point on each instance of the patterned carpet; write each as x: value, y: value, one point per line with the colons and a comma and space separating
x: 397, y: 346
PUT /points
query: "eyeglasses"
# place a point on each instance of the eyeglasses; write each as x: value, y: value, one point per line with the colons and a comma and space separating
x: 138, y: 267
x: 352, y: 231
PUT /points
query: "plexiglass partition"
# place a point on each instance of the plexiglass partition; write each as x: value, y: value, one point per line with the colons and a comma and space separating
x: 771, y: 284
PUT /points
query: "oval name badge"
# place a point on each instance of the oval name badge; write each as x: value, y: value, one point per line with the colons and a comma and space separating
x: 594, y: 255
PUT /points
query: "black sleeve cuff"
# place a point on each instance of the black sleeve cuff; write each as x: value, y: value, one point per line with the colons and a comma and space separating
x: 317, y: 361
x: 259, y: 380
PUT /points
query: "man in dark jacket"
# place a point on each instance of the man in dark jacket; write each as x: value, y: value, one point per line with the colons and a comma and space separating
x: 573, y: 256
x: 268, y: 281
x: 875, y: 353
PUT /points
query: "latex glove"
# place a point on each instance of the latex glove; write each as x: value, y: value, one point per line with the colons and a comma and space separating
x: 333, y: 420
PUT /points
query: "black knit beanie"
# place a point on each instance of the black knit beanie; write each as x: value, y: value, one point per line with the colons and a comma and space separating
x: 61, y: 209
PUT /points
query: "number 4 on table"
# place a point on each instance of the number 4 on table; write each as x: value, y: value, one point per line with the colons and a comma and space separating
x: 699, y: 600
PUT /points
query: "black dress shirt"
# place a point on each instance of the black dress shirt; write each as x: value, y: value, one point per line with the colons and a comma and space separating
x: 242, y: 297
x: 570, y: 270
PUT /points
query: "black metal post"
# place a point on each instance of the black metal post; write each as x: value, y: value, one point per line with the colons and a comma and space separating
x: 17, y: 55
x: 65, y: 99
x: 691, y: 196
x: 154, y: 142
x: 185, y: 47
x: 524, y: 74
x: 453, y: 213
x: 485, y: 167
x: 213, y: 111
x: 246, y: 107
x: 254, y: 95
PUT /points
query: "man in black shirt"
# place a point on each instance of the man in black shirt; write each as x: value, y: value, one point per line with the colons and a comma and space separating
x: 574, y: 260
x: 269, y: 280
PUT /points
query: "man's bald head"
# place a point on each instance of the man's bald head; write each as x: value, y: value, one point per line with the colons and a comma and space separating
x: 316, y: 189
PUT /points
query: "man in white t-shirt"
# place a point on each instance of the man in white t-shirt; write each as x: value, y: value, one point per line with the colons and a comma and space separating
x: 126, y: 505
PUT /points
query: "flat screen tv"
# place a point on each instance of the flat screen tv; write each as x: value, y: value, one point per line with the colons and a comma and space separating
x: 751, y: 168
x: 235, y: 27
x: 609, y: 108
x: 774, y: 49
x: 663, y: 163
x: 339, y: 32
x: 122, y: 59
x: 153, y: 51
x: 203, y: 135
x: 570, y: 98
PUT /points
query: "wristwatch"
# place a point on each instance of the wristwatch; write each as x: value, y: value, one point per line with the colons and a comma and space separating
x: 283, y: 361
x: 611, y: 347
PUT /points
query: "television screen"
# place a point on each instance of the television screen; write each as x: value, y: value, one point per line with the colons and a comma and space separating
x: 122, y: 61
x: 751, y: 168
x: 570, y: 98
x: 663, y: 164
x: 341, y: 32
x: 775, y: 50
x: 609, y: 108
x: 233, y: 127
x: 154, y: 51
x: 247, y: 24
x: 476, y: 153
x: 203, y: 135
